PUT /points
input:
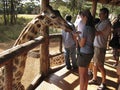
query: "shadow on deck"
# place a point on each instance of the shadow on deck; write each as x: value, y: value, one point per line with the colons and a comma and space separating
x: 69, y: 80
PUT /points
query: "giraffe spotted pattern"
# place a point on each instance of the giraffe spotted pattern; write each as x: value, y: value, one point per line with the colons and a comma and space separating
x: 48, y: 18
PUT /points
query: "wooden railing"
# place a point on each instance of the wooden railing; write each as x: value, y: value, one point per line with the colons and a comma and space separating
x: 7, y: 56
x: 18, y: 50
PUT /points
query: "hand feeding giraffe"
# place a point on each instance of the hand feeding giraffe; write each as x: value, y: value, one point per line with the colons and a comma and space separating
x: 49, y: 17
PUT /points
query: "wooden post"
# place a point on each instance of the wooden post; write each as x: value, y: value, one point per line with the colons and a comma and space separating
x: 44, y: 53
x: 8, y: 76
x: 60, y: 44
x: 94, y: 6
x: 44, y: 47
x: 44, y: 4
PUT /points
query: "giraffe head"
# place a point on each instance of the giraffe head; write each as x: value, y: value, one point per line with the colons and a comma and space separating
x: 53, y: 18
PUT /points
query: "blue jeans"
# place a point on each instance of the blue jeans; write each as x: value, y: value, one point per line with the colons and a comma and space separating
x: 70, y: 53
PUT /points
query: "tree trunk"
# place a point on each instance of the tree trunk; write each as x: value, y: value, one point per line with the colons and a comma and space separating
x: 94, y: 7
x: 7, y: 11
x: 12, y: 15
x: 4, y: 7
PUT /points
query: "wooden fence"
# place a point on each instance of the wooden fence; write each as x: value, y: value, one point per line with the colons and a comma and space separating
x: 7, y: 56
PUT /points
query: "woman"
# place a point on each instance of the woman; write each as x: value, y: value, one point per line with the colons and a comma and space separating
x: 86, y: 51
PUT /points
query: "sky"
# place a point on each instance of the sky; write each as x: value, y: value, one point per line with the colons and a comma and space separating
x: 25, y: 1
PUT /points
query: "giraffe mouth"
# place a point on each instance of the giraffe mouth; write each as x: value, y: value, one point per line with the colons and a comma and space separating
x: 68, y: 29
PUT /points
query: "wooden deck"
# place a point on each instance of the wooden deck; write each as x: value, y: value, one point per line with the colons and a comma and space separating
x: 69, y: 80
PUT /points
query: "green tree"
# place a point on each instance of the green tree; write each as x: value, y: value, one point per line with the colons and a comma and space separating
x: 9, y: 10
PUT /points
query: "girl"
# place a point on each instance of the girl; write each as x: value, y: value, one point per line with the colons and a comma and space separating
x: 86, y: 51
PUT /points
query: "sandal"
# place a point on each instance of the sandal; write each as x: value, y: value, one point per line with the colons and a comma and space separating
x: 102, y: 87
x: 92, y: 81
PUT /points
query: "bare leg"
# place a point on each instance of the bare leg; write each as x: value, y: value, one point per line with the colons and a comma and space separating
x: 94, y: 79
x: 116, y: 59
x: 95, y: 69
x: 116, y: 56
x: 83, y: 73
x: 103, y: 73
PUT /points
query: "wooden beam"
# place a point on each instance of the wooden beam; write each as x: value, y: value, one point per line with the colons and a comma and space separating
x: 94, y: 7
x: 10, y: 54
x: 44, y: 4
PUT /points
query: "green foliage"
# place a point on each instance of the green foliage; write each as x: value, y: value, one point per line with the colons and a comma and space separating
x: 1, y: 19
x: 54, y: 30
x: 11, y: 32
x: 24, y: 18
x: 8, y: 33
x: 64, y: 10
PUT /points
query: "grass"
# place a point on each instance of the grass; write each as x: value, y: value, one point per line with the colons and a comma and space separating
x: 11, y: 32
x: 8, y: 33
x: 26, y: 16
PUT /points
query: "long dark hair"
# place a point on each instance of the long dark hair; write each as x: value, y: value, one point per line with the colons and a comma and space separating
x: 90, y: 21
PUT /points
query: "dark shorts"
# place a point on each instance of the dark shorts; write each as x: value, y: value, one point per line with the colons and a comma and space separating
x: 84, y: 59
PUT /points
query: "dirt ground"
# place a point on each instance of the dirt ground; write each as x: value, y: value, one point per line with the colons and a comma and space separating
x: 32, y: 64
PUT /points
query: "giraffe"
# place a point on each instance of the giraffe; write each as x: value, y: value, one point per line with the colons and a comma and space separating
x: 49, y: 17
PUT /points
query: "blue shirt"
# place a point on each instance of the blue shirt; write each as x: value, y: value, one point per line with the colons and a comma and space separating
x: 88, y: 33
x: 68, y: 40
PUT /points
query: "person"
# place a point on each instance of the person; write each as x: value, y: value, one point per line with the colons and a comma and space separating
x: 69, y: 45
x: 90, y: 69
x: 86, y: 47
x: 116, y: 33
x: 79, y: 25
x: 77, y: 20
x: 103, y: 29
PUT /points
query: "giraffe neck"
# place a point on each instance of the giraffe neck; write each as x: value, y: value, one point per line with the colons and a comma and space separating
x: 49, y: 18
x: 28, y: 33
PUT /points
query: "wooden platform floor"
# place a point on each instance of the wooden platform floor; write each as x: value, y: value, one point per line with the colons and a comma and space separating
x: 69, y: 80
